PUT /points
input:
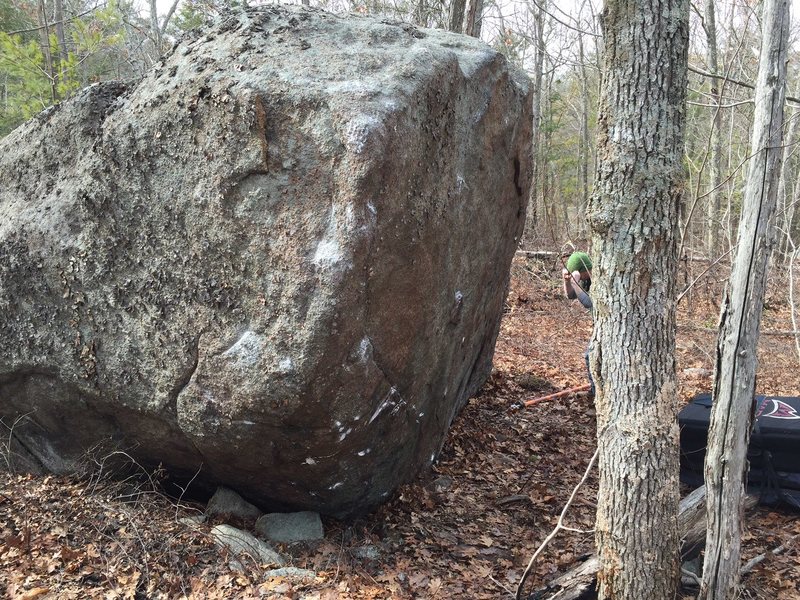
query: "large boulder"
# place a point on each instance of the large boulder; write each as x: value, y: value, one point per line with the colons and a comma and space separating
x: 279, y: 259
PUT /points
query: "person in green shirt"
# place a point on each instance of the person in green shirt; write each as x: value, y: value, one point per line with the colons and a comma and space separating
x: 577, y: 275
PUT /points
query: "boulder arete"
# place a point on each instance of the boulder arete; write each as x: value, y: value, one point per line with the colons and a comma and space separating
x: 280, y: 258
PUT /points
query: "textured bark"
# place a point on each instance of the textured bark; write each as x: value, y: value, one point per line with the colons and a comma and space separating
x: 59, y: 26
x: 786, y: 201
x: 473, y: 18
x: 740, y: 318
x: 44, y: 42
x: 633, y: 215
x: 456, y: 16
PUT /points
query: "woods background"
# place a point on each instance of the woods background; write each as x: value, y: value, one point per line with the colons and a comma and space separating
x: 49, y: 49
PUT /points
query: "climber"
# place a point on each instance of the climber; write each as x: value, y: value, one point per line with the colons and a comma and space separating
x: 577, y: 275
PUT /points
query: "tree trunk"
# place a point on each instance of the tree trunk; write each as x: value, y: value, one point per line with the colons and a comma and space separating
x: 59, y: 26
x: 634, y: 219
x: 536, y: 100
x: 44, y: 42
x: 156, y: 30
x: 456, y: 16
x: 712, y: 214
x: 740, y: 319
x: 473, y: 18
x: 585, y: 151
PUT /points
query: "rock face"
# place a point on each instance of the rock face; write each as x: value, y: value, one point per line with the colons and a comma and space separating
x: 280, y: 258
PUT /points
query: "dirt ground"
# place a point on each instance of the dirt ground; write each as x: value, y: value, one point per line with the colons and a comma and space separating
x: 465, y: 529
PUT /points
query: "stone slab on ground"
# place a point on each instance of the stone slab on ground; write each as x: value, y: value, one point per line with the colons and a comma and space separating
x: 286, y: 528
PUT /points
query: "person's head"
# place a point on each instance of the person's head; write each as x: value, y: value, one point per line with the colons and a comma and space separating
x: 580, y: 261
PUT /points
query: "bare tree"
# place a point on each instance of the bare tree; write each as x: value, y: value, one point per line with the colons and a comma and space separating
x: 456, y: 16
x: 740, y: 318
x: 536, y: 99
x: 712, y: 228
x: 633, y: 217
x: 473, y: 18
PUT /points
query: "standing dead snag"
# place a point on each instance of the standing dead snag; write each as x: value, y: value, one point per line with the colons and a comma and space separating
x: 633, y: 216
x: 740, y: 318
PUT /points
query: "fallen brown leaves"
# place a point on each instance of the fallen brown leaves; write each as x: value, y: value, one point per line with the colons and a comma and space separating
x: 465, y: 529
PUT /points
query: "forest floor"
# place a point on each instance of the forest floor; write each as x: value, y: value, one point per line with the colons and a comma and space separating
x: 465, y: 529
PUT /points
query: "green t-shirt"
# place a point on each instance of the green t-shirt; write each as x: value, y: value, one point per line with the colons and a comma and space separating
x: 579, y: 261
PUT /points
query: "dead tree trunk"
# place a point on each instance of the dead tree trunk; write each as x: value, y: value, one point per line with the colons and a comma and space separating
x: 740, y: 318
x: 633, y: 217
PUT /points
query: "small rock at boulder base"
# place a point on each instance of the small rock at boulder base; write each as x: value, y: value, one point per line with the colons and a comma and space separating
x: 229, y: 503
x: 286, y: 528
x: 286, y: 278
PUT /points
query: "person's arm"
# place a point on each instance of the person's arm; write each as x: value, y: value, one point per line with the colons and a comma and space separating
x: 569, y: 292
x: 582, y: 296
x: 573, y: 289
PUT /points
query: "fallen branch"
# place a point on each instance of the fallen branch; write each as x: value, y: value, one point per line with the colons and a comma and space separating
x: 575, y: 390
x: 579, y: 582
x: 540, y: 254
x: 752, y: 563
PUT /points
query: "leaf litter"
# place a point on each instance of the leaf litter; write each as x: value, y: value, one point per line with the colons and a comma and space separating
x: 464, y: 529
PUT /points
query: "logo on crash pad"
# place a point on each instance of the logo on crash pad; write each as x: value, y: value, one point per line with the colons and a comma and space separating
x: 777, y: 409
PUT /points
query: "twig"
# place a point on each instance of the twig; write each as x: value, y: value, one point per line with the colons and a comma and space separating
x: 5, y: 449
x: 695, y: 579
x: 753, y: 562
x: 791, y: 296
x: 508, y: 589
x: 559, y: 526
x: 734, y: 81
x: 78, y: 16
x: 696, y: 279
x: 183, y: 491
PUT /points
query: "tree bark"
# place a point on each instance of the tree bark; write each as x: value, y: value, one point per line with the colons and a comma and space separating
x: 456, y: 16
x: 473, y: 18
x: 156, y: 30
x: 536, y: 100
x: 740, y: 318
x: 44, y: 42
x: 585, y: 150
x: 634, y: 217
x: 785, y: 201
x: 59, y: 26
